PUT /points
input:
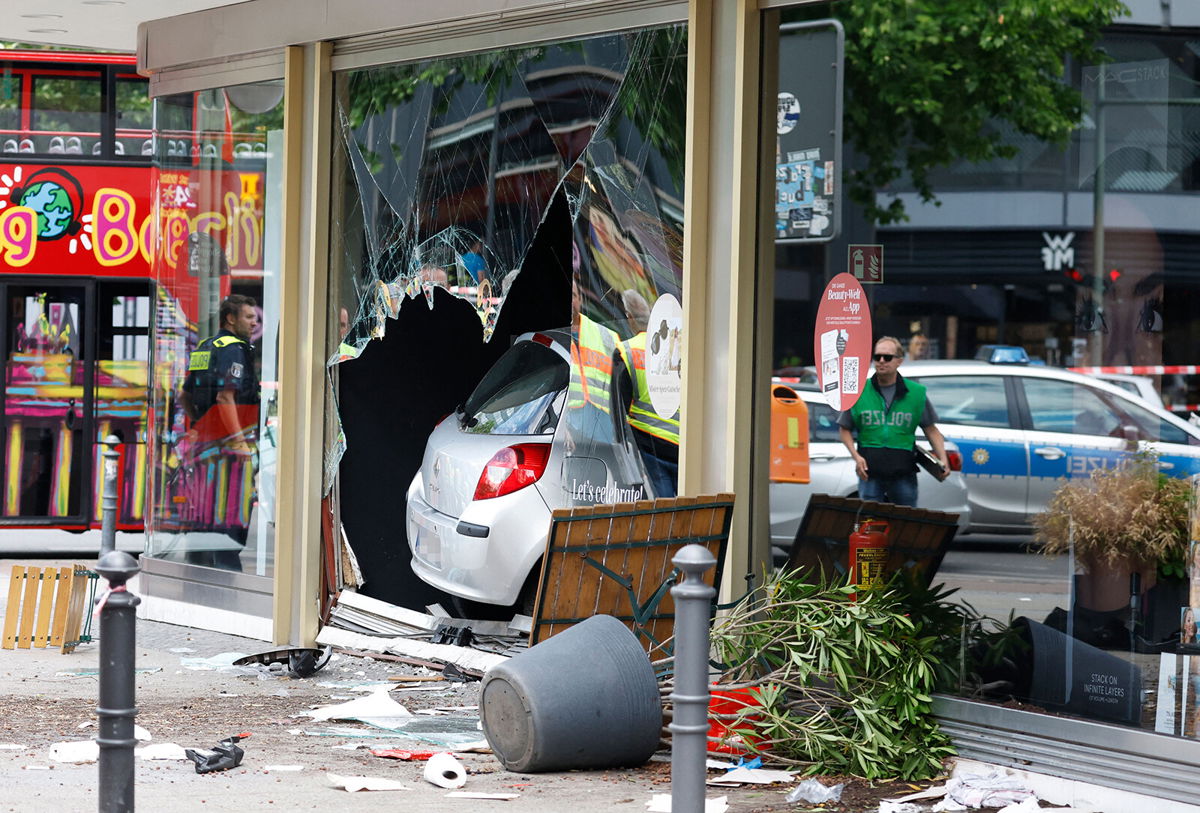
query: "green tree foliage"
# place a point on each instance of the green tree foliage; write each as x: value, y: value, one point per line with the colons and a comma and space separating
x: 925, y: 77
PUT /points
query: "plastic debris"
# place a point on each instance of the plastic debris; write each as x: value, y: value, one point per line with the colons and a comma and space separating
x: 141, y: 735
x: 470, y: 794
x: 992, y: 789
x: 814, y: 792
x: 222, y: 757
x: 752, y: 776
x: 353, y: 784
x: 377, y: 708
x: 162, y: 751
x: 402, y: 754
x: 75, y: 753
x: 661, y: 803
x: 11, y: 746
x: 445, y: 771
x: 899, y: 807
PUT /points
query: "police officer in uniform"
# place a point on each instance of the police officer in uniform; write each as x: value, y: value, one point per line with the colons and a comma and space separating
x: 221, y: 378
x: 887, y: 415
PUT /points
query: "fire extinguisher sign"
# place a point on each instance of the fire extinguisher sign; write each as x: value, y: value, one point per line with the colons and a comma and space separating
x: 865, y: 262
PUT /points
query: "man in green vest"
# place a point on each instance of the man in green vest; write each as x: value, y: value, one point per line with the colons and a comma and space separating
x: 886, y: 416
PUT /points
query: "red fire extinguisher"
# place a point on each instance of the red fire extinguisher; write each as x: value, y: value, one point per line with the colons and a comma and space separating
x: 868, y: 555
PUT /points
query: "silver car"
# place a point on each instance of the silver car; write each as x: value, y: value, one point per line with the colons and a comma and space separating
x: 478, y: 510
x: 1022, y: 428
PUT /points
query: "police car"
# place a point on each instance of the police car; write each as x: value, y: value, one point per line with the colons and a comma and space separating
x: 1022, y: 428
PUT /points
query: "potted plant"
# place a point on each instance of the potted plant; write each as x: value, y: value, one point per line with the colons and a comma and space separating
x: 1130, y: 519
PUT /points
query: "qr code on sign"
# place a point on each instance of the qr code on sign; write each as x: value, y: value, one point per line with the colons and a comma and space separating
x: 850, y: 374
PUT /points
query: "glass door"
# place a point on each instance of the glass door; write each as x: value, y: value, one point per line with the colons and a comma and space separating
x: 47, y: 402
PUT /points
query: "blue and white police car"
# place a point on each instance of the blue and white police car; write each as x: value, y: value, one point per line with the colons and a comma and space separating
x: 1021, y: 428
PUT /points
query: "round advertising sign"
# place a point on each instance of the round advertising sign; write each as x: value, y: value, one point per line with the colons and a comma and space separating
x: 842, y: 341
x: 664, y: 345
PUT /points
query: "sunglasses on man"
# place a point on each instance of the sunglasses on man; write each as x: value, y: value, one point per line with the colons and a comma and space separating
x: 884, y: 356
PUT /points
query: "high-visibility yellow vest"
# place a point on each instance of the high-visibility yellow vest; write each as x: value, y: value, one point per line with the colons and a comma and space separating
x: 591, y: 356
x: 641, y: 412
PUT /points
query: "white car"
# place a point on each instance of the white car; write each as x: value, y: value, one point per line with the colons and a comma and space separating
x: 1022, y: 428
x: 831, y: 471
x: 478, y: 510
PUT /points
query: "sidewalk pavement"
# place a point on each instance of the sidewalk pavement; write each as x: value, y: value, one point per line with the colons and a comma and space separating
x: 47, y: 697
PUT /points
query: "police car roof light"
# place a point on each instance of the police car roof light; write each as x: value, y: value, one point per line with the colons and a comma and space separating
x: 1002, y: 354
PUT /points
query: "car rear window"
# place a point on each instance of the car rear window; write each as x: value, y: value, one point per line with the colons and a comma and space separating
x: 822, y: 423
x: 520, y: 395
x: 971, y: 400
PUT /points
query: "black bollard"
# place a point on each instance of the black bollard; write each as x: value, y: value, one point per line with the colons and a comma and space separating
x: 118, y: 637
x: 108, y: 499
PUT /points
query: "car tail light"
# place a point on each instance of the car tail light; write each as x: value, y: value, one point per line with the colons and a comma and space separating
x: 955, y: 459
x: 512, y: 468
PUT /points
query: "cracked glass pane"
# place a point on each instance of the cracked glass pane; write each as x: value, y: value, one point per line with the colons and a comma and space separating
x: 560, y: 164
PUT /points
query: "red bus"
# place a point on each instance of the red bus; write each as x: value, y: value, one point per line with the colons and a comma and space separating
x: 77, y: 297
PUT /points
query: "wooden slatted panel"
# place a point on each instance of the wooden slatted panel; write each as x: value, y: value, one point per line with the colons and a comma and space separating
x: 12, y: 611
x: 62, y: 595
x: 918, y: 537
x: 41, y: 632
x: 636, y: 542
x: 75, y: 602
x: 28, y: 607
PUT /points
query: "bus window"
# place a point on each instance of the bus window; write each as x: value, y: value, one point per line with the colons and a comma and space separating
x: 10, y: 108
x: 65, y: 115
x: 134, y: 117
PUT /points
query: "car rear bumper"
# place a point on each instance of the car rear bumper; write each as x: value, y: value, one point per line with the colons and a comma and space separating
x: 486, y: 554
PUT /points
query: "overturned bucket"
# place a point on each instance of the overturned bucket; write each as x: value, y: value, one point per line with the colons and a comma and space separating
x: 586, y: 698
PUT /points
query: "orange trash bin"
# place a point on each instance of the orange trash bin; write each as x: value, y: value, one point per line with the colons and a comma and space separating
x: 789, y: 436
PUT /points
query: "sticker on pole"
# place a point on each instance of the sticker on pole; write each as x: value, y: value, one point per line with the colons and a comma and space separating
x: 842, y: 341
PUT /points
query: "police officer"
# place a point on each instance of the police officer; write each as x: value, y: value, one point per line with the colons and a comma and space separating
x: 221, y: 376
x: 657, y: 437
x: 887, y: 415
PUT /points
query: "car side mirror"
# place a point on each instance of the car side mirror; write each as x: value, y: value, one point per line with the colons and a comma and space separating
x: 1130, y: 433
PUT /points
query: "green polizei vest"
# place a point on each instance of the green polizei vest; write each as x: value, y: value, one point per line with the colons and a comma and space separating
x: 894, y: 427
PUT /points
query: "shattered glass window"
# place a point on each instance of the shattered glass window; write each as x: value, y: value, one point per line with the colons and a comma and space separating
x: 542, y: 186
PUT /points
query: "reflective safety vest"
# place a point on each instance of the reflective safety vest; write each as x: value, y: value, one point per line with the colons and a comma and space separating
x: 591, y: 358
x: 641, y: 411
x: 201, y: 358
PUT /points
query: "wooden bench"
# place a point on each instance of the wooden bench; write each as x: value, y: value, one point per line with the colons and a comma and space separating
x: 917, y: 538
x: 616, y: 560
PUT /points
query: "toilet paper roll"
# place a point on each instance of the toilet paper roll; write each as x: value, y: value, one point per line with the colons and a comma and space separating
x: 445, y: 771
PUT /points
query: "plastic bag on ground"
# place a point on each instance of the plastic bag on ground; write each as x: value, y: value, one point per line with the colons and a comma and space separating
x: 813, y: 792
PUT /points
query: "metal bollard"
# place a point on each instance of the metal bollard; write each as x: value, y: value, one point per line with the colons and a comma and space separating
x: 689, y: 729
x: 118, y: 637
x: 108, y: 500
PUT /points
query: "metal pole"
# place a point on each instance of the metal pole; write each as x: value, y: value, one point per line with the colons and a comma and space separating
x: 108, y: 500
x: 118, y: 637
x: 689, y: 728
x: 1097, y: 339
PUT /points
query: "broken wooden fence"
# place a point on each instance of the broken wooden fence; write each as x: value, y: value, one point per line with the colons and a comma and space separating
x: 616, y: 560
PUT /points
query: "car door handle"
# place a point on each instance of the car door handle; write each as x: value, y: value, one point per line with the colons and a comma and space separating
x: 1050, y: 452
x: 822, y: 457
x: 1162, y: 464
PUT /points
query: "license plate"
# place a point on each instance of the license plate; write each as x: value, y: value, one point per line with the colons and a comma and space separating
x: 429, y: 542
